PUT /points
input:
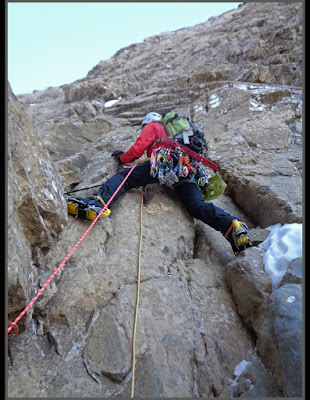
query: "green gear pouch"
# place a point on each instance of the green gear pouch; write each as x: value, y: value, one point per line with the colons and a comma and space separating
x: 215, y: 188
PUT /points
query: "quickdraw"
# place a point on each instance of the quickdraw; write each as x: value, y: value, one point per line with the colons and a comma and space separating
x: 162, y: 166
x: 171, y: 164
x: 178, y: 146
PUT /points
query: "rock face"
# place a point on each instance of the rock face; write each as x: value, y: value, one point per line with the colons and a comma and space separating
x: 36, y: 211
x: 203, y: 311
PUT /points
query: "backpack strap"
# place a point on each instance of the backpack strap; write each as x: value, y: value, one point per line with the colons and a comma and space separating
x: 155, y: 141
x: 172, y: 118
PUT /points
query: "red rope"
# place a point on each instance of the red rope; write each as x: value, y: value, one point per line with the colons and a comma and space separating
x: 70, y: 253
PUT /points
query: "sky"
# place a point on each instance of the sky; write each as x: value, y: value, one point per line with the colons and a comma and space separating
x: 56, y: 43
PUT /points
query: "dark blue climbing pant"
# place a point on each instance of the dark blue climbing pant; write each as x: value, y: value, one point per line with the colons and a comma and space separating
x: 188, y: 193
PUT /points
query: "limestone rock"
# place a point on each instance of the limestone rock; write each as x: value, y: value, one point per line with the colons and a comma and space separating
x: 293, y: 273
x: 280, y: 338
x: 36, y: 211
x: 258, y: 236
x: 202, y: 310
x: 68, y: 139
x: 250, y: 285
x: 256, y: 381
x: 275, y: 317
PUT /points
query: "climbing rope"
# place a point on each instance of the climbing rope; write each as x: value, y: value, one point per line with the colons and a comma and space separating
x: 14, y: 324
x: 137, y: 304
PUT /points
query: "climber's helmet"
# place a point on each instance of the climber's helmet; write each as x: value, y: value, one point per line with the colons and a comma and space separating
x: 151, y: 116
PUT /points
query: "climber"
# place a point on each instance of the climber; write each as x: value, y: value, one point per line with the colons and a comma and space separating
x: 152, y: 140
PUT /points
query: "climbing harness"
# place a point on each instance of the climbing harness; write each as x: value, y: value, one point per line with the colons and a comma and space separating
x: 189, y: 152
x: 239, y: 236
x: 13, y: 325
x: 180, y: 162
x: 137, y: 304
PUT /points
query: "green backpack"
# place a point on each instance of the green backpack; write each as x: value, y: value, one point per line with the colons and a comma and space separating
x: 184, y: 131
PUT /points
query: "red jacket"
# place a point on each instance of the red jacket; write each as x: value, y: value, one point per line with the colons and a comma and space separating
x: 149, y: 134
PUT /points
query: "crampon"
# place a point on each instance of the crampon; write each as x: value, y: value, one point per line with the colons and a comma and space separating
x: 87, y: 208
x: 238, y: 236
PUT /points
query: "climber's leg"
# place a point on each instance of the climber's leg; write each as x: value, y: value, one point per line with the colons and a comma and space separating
x: 140, y: 176
x: 235, y: 231
x: 191, y: 197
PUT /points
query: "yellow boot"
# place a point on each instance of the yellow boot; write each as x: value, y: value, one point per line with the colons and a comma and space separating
x: 238, y: 236
x: 87, y: 208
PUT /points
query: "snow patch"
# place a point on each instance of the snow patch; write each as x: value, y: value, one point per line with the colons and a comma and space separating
x: 291, y: 299
x: 241, y: 367
x: 111, y: 103
x: 198, y: 108
x: 214, y: 100
x: 255, y: 105
x: 240, y: 86
x: 238, y: 371
x: 54, y: 186
x: 283, y: 245
x: 47, y: 194
x: 256, y: 89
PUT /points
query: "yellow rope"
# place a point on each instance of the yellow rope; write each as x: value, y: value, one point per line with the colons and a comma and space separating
x: 137, y: 305
x: 143, y: 160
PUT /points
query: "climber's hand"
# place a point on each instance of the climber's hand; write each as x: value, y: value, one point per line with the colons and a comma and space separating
x: 117, y: 154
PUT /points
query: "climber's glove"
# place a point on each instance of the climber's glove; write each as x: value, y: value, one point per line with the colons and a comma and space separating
x: 117, y: 154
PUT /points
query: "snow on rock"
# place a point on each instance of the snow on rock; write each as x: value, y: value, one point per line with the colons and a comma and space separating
x: 283, y: 245
x: 214, y: 101
x: 255, y: 105
x: 111, y: 103
x: 241, y: 367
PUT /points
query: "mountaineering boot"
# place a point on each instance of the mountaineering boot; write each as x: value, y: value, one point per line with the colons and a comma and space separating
x: 87, y: 208
x: 238, y: 236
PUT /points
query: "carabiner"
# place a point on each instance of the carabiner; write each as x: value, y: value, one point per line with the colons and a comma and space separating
x: 15, y: 327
